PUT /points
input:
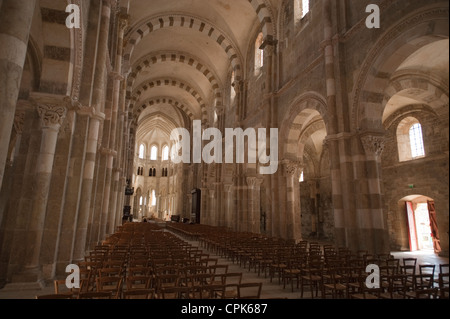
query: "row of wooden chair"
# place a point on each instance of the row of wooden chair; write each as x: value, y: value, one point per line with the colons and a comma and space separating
x: 144, y: 262
x: 309, y: 265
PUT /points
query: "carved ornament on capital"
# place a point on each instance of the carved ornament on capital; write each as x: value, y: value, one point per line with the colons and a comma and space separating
x: 52, y: 109
x: 373, y: 144
x: 123, y: 21
x: 292, y: 168
x: 254, y: 182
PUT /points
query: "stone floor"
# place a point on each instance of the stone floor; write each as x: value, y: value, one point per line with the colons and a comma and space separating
x: 270, y: 290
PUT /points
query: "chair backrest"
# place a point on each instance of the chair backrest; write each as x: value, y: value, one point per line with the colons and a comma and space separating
x: 138, y: 282
x: 139, y: 294
x: 443, y: 268
x: 174, y: 293
x: 250, y: 290
x: 95, y: 295
x: 61, y: 288
x: 218, y: 269
x: 54, y: 296
x: 427, y: 269
x: 110, y: 284
x: 232, y: 278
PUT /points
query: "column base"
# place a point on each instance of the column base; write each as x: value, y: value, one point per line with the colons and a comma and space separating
x: 29, y: 279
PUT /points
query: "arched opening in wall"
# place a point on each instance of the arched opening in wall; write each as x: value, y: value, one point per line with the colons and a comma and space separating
x: 410, y: 140
x: 301, y: 9
x: 414, y: 114
x: 142, y: 151
x: 259, y: 54
x: 233, y: 89
x: 165, y: 153
x: 154, y: 153
x: 420, y: 226
x: 306, y: 133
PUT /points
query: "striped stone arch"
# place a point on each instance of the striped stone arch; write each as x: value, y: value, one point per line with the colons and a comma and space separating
x: 184, y: 21
x: 421, y: 87
x: 291, y: 126
x: 382, y: 61
x: 265, y: 17
x: 180, y: 58
x: 165, y: 100
x: 169, y: 82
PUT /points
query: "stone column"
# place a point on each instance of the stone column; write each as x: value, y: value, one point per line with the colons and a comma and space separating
x: 212, y: 220
x: 87, y: 188
x: 73, y: 188
x: 204, y: 218
x: 105, y: 216
x: 254, y: 211
x: 371, y: 220
x: 227, y: 203
x: 109, y: 207
x: 115, y: 193
x: 291, y: 172
x: 15, y: 22
x: 51, y: 111
x: 93, y: 135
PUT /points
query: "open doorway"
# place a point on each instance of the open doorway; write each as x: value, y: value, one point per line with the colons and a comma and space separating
x: 423, y: 233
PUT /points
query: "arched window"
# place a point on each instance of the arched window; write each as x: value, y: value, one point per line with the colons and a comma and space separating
x: 165, y: 153
x: 233, y: 90
x: 302, y: 177
x: 154, y: 153
x: 153, y: 198
x: 410, y: 139
x: 259, y: 54
x: 416, y: 140
x: 301, y: 9
x: 142, y: 151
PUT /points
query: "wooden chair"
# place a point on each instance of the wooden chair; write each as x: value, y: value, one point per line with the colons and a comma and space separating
x: 292, y: 272
x: 213, y: 291
x: 250, y: 290
x: 427, y: 269
x: 139, y: 294
x: 173, y: 293
x: 312, y: 277
x: 166, y: 281
x: 95, y: 295
x: 218, y: 269
x: 231, y: 282
x: 138, y: 282
x: 55, y: 296
x: 61, y: 288
x: 111, y: 284
x: 443, y: 286
x: 336, y: 282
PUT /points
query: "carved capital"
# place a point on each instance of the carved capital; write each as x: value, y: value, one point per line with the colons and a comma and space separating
x: 373, y: 144
x: 292, y: 168
x: 253, y: 182
x: 108, y: 152
x: 51, y: 109
x: 123, y: 21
